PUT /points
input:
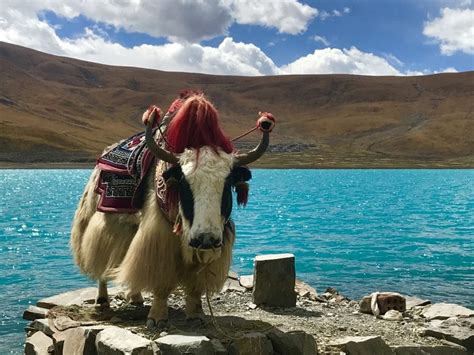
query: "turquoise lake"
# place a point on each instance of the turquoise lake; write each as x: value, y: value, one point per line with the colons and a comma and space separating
x: 360, y: 231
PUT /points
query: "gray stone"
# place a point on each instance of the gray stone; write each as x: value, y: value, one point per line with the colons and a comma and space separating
x: 118, y: 341
x: 176, y: 344
x: 274, y: 280
x: 369, y: 345
x: 62, y: 323
x: 251, y: 344
x: 58, y: 341
x: 459, y: 331
x: 43, y: 325
x: 445, y: 311
x: 305, y: 290
x: 33, y: 312
x: 233, y: 275
x: 415, y: 302
x: 79, y: 340
x: 246, y: 281
x: 76, y: 297
x: 232, y: 285
x: 295, y: 343
x: 38, y: 344
x: 429, y: 350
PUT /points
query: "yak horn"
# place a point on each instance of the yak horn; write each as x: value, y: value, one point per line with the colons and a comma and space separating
x: 254, y: 154
x: 157, y: 151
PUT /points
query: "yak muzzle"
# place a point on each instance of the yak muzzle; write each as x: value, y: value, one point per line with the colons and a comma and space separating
x: 206, y: 241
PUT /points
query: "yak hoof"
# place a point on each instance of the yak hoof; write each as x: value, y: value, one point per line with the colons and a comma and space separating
x: 155, y: 326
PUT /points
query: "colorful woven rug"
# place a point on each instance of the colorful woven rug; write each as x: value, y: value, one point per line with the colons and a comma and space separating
x: 123, y: 169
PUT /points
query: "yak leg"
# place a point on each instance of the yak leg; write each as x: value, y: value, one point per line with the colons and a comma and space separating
x: 193, y: 308
x: 102, y: 299
x: 158, y: 315
x: 135, y: 298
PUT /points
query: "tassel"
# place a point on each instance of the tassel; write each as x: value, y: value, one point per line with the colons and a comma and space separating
x: 242, y: 190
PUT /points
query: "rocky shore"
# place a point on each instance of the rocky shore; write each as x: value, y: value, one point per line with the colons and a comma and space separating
x: 327, y: 323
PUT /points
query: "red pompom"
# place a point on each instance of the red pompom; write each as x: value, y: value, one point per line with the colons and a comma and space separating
x: 242, y: 190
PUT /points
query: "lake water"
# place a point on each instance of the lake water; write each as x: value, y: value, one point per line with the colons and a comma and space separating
x: 410, y: 231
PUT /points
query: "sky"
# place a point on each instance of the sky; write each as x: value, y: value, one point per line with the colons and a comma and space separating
x: 250, y: 38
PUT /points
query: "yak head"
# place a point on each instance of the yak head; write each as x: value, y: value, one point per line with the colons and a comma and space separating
x: 204, y: 179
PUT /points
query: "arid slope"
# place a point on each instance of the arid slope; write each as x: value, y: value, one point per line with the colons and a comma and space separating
x: 55, y: 109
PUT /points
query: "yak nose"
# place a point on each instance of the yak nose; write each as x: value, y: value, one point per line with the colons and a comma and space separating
x: 205, y: 241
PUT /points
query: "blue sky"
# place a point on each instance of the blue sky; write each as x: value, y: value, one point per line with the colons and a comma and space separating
x: 243, y: 37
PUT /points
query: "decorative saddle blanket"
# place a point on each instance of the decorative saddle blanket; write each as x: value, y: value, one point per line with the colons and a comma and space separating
x: 122, y: 171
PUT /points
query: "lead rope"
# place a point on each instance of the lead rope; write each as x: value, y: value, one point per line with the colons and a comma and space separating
x: 244, y: 134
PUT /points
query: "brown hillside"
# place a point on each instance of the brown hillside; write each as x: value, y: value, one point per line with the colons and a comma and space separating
x: 55, y: 109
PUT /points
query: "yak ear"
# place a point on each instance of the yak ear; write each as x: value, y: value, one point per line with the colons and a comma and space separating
x: 240, y: 173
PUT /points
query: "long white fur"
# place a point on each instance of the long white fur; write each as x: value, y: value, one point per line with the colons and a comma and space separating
x: 141, y: 250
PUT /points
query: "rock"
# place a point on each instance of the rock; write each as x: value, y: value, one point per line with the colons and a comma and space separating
x: 428, y: 350
x: 185, y: 344
x: 76, y: 297
x: 34, y: 312
x: 232, y: 285
x: 305, y: 290
x: 79, y: 340
x: 38, y: 344
x: 459, y: 331
x: 63, y: 323
x: 415, y: 302
x: 274, y: 280
x: 378, y: 303
x: 251, y: 344
x: 393, y: 315
x: 295, y: 343
x: 359, y: 345
x: 233, y: 275
x: 117, y: 341
x: 58, y: 341
x: 445, y: 311
x: 43, y: 325
x: 246, y: 281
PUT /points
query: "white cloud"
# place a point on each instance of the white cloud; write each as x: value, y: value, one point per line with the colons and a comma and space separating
x: 323, y: 15
x: 333, y: 60
x: 453, y: 30
x: 288, y: 16
x: 321, y: 39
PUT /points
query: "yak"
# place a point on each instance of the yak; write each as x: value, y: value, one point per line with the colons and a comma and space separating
x: 156, y: 249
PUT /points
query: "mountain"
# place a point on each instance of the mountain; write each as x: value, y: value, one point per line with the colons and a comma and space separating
x: 61, y: 110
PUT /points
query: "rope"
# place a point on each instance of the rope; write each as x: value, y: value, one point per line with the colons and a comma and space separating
x: 244, y: 134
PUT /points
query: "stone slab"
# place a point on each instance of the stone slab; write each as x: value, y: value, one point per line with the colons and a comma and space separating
x: 274, y: 280
x: 118, y: 341
x: 445, y: 311
x: 295, y: 343
x: 34, y: 312
x: 428, y: 350
x: 185, y: 344
x: 246, y: 281
x: 232, y: 285
x: 76, y: 297
x: 251, y: 344
x: 416, y: 302
x: 38, y: 344
x: 360, y: 345
x: 457, y: 330
x: 43, y: 325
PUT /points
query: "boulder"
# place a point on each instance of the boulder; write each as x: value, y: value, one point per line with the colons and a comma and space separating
x: 176, y: 344
x: 38, y: 344
x: 359, y: 345
x: 251, y: 344
x: 34, y: 312
x: 118, y: 341
x: 274, y: 280
x: 246, y: 281
x: 459, y: 331
x: 445, y: 311
x: 295, y: 343
x: 412, y: 301
x: 428, y: 350
x: 62, y: 323
x: 79, y: 340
